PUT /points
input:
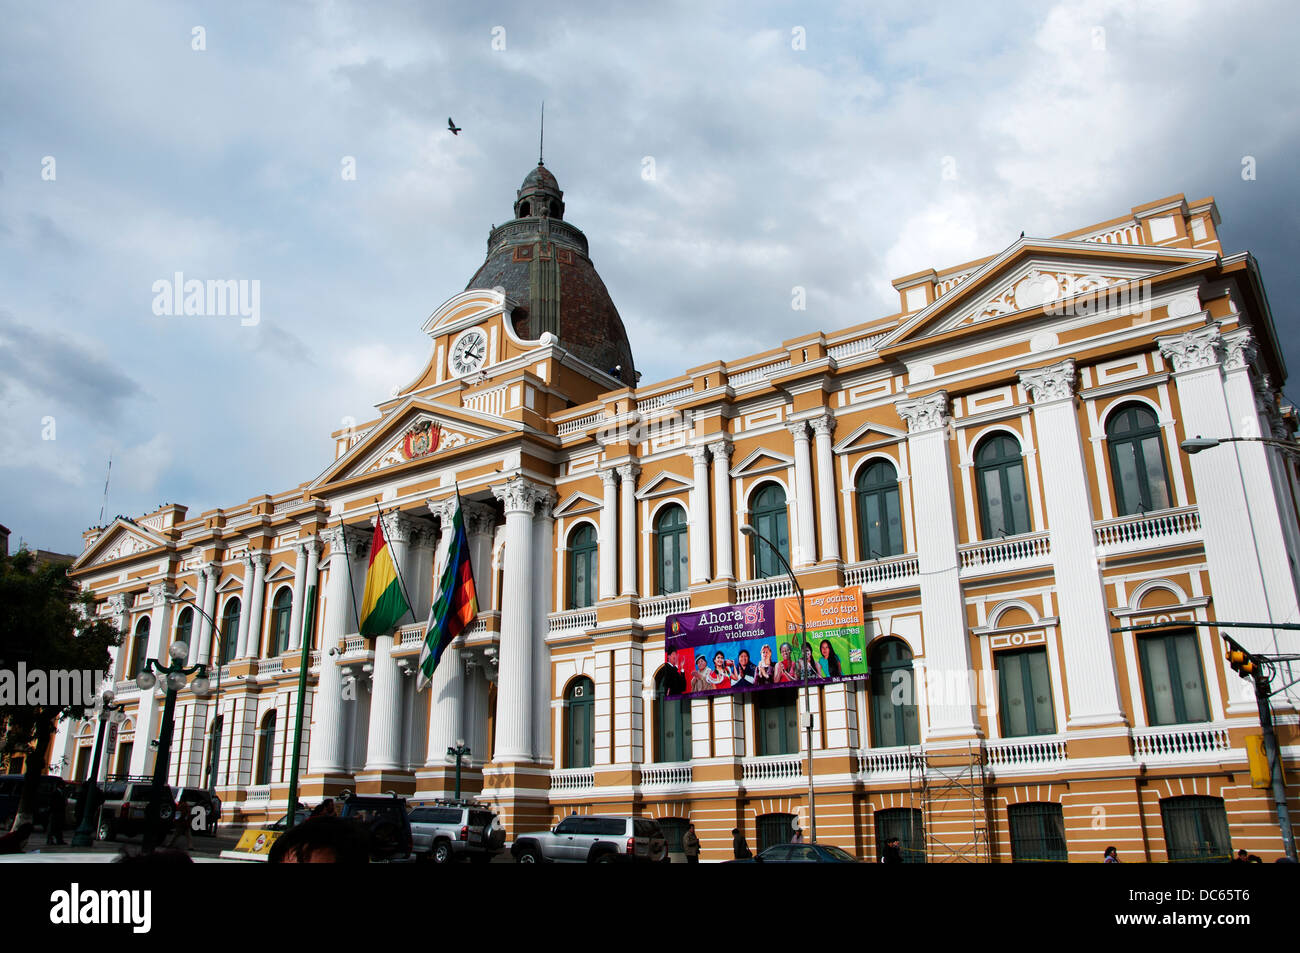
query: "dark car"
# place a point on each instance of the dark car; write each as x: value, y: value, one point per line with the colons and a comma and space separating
x: 283, y: 823
x: 123, y: 810
x: 384, y: 818
x: 11, y: 790
x: 800, y: 854
x: 209, y: 807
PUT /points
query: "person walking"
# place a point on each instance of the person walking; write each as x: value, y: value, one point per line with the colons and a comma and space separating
x: 182, y: 823
x: 54, y: 826
x: 893, y: 853
x: 739, y: 847
x: 691, y: 845
x: 1111, y: 856
x: 798, y: 836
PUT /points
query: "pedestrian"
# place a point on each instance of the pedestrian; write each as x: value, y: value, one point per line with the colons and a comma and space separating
x: 1111, y: 856
x: 893, y: 853
x: 181, y: 824
x: 1241, y: 858
x: 54, y: 826
x: 798, y: 836
x: 691, y: 845
x: 739, y: 848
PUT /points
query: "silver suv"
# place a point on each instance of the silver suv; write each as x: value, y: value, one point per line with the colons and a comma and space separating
x: 445, y: 831
x: 124, y: 805
x: 586, y: 839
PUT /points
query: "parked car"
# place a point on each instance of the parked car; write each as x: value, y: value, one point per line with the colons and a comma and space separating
x: 11, y: 790
x: 283, y: 823
x: 207, y: 801
x: 384, y: 817
x: 586, y: 839
x: 800, y: 854
x: 123, y: 808
x: 456, y: 830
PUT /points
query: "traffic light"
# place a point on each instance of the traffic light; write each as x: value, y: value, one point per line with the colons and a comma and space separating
x: 1242, y: 662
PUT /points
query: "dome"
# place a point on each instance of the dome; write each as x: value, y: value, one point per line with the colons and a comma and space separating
x: 541, y: 260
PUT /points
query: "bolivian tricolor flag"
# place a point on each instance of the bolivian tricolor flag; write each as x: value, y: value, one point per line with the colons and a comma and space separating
x: 456, y: 604
x: 383, y: 604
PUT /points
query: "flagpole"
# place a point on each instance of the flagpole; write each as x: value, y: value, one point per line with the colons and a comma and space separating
x: 308, y: 623
x: 410, y: 606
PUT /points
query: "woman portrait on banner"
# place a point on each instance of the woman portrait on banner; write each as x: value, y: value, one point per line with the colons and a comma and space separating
x: 745, y: 671
x: 785, y: 669
x: 719, y: 676
x: 765, y: 671
x: 808, y: 666
x: 830, y: 661
x: 700, y: 680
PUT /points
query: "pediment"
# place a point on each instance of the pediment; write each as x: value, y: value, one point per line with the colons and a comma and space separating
x: 869, y: 435
x: 1032, y: 274
x: 122, y: 538
x: 576, y: 505
x: 413, y: 430
x: 665, y: 484
x: 761, y: 461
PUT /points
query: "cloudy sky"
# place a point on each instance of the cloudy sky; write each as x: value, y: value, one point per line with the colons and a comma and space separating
x: 774, y: 166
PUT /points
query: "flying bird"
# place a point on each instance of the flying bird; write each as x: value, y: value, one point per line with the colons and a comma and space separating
x: 455, y: 129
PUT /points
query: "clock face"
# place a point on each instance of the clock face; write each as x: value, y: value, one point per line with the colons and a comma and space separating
x: 469, y: 352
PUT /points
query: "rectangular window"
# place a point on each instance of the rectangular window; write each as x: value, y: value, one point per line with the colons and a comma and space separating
x: 905, y: 824
x: 1037, y: 833
x: 1172, y: 679
x: 778, y: 723
x: 1196, y: 828
x: 1026, y: 693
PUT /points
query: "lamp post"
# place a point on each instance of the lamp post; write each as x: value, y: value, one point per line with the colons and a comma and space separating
x: 175, y: 675
x: 1198, y: 443
x: 174, y: 599
x: 458, y: 752
x: 748, y: 530
x: 85, y: 834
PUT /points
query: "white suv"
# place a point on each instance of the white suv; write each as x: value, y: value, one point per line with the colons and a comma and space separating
x: 454, y: 830
x: 586, y: 839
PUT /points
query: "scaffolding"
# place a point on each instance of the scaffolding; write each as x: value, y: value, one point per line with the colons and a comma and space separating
x: 951, y: 786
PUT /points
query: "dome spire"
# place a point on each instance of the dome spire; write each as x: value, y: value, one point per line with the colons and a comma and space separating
x: 541, y: 135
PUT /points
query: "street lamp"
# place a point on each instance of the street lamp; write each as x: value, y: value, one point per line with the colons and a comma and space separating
x: 748, y: 530
x: 1198, y: 443
x: 85, y: 834
x: 175, y: 675
x: 458, y: 752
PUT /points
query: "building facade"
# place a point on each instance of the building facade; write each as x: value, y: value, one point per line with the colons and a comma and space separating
x: 997, y: 466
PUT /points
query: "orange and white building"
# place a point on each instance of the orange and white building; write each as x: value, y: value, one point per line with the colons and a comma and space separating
x: 996, y: 465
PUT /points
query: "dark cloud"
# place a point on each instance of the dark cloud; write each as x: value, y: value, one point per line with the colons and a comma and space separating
x: 59, y: 370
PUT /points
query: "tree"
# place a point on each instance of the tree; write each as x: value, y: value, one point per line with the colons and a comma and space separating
x: 46, y: 625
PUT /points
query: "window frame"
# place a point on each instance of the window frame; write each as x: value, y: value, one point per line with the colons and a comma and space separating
x: 878, y: 676
x: 586, y: 705
x: 1022, y: 657
x: 588, y: 552
x: 888, y: 494
x: 281, y: 618
x: 763, y: 512
x: 228, y: 637
x: 677, y: 532
x: 771, y: 699
x: 1136, y: 437
x: 1003, y: 466
x: 1175, y: 677
x: 664, y: 709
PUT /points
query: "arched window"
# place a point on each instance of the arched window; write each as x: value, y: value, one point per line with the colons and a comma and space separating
x: 1137, y: 460
x: 778, y: 721
x: 907, y: 824
x: 893, y: 696
x: 266, y: 748
x: 281, y: 611
x: 672, y: 718
x: 579, y: 706
x: 880, y: 522
x: 774, y: 829
x: 214, y: 752
x: 767, y: 514
x: 670, y: 550
x: 582, y: 567
x: 1000, y: 479
x: 229, y: 629
x: 139, y: 647
x: 184, y: 626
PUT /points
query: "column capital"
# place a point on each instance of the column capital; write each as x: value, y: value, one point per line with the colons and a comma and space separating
x: 159, y: 592
x: 261, y: 560
x: 1240, y: 349
x: 546, y: 500
x: 924, y: 413
x: 306, y: 545
x: 399, y: 527
x: 117, y: 603
x: 822, y: 425
x: 798, y: 429
x: 355, y: 539
x: 518, y: 495
x: 721, y: 449
x: 609, y: 477
x: 212, y: 570
x: 1052, y: 383
x: 1193, y: 350
x: 628, y: 472
x: 480, y: 518
x: 246, y: 557
x: 699, y: 454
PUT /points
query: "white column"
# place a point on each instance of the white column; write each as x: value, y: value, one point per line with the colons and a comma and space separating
x: 543, y: 587
x: 943, y: 615
x: 253, y: 645
x: 200, y: 598
x: 805, y: 551
x: 313, y: 569
x: 515, y: 668
x: 627, y: 527
x: 150, y: 704
x: 608, y: 545
x: 299, y: 590
x: 326, y: 754
x: 1081, y: 601
x: 384, y: 741
x: 700, y: 515
x: 122, y: 653
x: 722, y: 537
x: 447, y: 686
x: 245, y: 597
x: 213, y: 572
x: 822, y: 427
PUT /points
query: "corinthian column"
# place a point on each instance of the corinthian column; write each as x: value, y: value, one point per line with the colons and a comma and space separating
x: 515, y: 678
x: 253, y: 646
x: 211, y: 572
x: 822, y: 427
x: 721, y: 450
x: 700, y: 515
x: 384, y: 741
x: 299, y: 590
x: 326, y: 752
x: 627, y: 527
x: 806, y: 552
x: 608, y: 547
x: 1085, y: 629
x: 245, y: 607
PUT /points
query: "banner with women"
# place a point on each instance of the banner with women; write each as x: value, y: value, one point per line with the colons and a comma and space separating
x: 757, y: 645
